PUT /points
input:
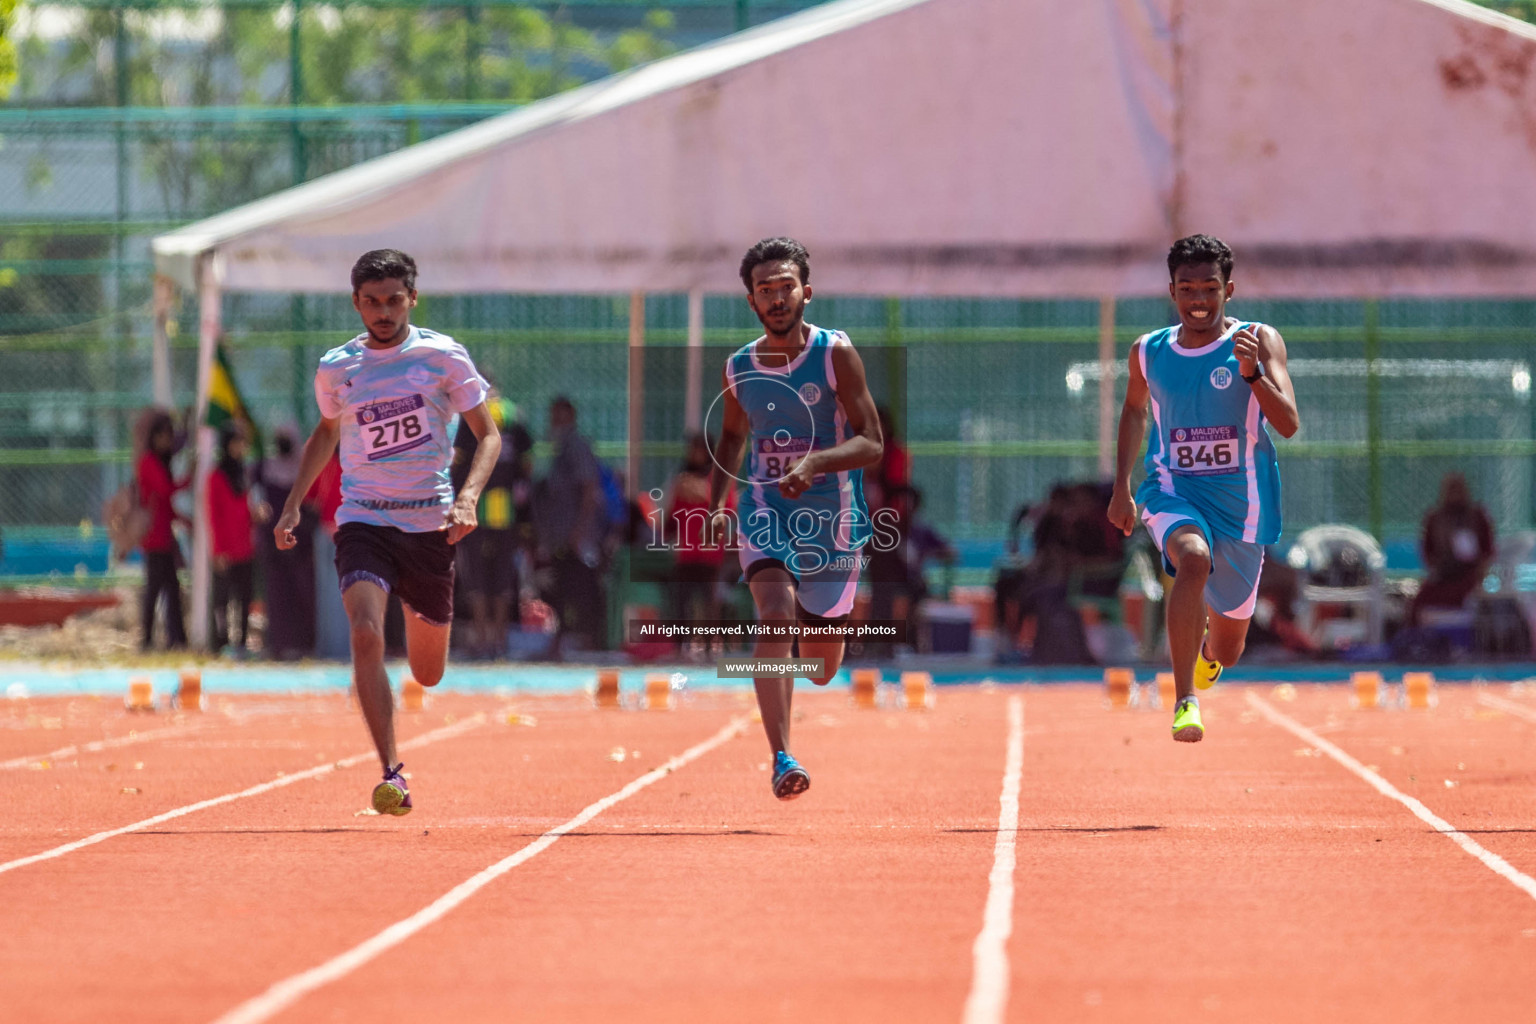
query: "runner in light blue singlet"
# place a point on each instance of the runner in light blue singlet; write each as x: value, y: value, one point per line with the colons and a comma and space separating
x: 798, y: 420
x: 1210, y: 461
x: 1211, y: 387
x: 794, y: 410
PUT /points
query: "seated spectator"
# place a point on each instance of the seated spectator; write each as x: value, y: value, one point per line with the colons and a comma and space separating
x: 1457, y: 546
x: 1076, y: 560
x: 896, y: 573
x: 1274, y: 613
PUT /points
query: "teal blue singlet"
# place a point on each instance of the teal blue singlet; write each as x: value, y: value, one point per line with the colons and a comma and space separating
x: 794, y: 410
x: 1210, y: 445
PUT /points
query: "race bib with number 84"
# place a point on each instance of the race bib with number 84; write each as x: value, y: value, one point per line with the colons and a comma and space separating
x: 389, y: 428
x: 1204, y: 451
x: 774, y: 460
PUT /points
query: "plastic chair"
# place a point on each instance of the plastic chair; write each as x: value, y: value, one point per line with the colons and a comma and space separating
x: 1343, y: 565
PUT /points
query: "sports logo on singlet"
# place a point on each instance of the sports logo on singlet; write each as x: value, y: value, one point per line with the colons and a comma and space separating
x: 1221, y: 378
x: 810, y: 394
x: 1204, y: 451
x: 394, y: 426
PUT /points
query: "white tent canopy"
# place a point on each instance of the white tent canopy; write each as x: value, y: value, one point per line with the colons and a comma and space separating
x: 954, y: 147
x: 981, y: 147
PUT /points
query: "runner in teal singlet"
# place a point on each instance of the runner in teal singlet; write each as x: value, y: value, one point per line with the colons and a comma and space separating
x: 1211, y: 499
x: 797, y: 402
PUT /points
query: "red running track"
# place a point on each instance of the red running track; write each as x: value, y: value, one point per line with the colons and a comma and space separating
x: 1251, y: 877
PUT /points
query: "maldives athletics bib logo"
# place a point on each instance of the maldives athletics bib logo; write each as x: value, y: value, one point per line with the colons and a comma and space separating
x: 1221, y: 378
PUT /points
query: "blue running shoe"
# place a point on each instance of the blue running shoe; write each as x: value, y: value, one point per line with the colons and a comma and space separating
x: 392, y: 796
x: 789, y: 779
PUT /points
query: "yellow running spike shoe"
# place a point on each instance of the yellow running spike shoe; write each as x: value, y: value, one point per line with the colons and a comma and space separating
x: 1206, y: 671
x: 1187, y: 727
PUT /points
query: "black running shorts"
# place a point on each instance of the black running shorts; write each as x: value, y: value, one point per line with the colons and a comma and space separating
x: 418, y: 567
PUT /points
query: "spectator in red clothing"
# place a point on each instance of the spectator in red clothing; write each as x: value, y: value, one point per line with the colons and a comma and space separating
x: 697, y: 561
x: 162, y: 556
x: 893, y: 471
x: 234, y: 548
x: 325, y: 493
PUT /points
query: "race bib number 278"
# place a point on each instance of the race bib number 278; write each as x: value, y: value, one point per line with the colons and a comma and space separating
x: 1204, y: 451
x: 389, y: 428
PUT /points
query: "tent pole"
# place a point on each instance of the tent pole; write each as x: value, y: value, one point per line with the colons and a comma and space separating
x: 1372, y: 331
x: 636, y: 392
x: 160, y: 354
x: 692, y: 416
x: 210, y: 297
x: 1106, y: 387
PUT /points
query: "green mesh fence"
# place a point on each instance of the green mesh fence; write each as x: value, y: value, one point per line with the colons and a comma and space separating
x: 998, y: 399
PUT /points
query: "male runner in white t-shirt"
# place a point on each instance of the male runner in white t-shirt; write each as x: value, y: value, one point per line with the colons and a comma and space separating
x: 387, y: 397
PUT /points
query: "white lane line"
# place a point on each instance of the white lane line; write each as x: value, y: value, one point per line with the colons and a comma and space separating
x: 290, y: 990
x: 1498, y: 865
x: 1518, y: 710
x: 98, y: 745
x: 446, y: 732
x: 989, y: 954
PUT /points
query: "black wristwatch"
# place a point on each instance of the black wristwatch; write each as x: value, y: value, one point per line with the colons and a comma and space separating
x: 1258, y: 371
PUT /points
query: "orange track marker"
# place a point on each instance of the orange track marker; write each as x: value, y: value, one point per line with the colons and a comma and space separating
x: 917, y: 687
x: 658, y: 691
x: 141, y: 694
x: 1367, y: 689
x: 607, y: 693
x: 189, y: 690
x: 412, y: 694
x: 1419, y: 688
x: 866, y: 683
x: 1118, y: 683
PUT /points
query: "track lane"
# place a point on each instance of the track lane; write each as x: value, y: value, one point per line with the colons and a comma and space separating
x: 1471, y: 759
x: 183, y: 922
x: 1243, y: 878
x: 703, y: 898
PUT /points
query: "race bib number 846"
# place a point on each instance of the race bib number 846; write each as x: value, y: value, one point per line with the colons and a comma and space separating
x: 389, y: 428
x: 776, y: 457
x: 1204, y: 451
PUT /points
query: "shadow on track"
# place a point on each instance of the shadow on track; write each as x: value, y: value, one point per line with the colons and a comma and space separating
x: 1067, y: 828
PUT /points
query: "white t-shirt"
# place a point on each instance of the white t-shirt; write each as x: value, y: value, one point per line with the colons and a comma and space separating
x: 395, y: 405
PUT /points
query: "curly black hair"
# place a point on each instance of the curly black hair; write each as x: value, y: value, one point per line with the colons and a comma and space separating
x: 776, y: 250
x: 383, y: 264
x: 1200, y: 249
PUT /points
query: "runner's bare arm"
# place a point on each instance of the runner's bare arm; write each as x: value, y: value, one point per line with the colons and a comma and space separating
x: 317, y: 452
x: 1276, y: 394
x: 866, y: 445
x: 461, y: 517
x: 1133, y: 430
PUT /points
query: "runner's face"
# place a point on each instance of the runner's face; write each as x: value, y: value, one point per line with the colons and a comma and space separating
x: 778, y: 297
x: 1200, y: 295
x: 385, y: 307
